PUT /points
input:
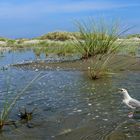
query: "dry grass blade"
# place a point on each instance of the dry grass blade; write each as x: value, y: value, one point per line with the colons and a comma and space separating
x: 9, y: 106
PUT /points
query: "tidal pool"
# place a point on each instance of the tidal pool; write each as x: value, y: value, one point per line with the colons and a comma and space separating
x: 69, y: 106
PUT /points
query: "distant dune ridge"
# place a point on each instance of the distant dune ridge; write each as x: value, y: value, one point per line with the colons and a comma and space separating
x: 58, y: 36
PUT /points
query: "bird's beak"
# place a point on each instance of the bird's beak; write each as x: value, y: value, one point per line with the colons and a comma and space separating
x: 119, y: 89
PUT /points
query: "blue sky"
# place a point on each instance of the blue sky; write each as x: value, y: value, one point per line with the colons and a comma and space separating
x: 31, y: 18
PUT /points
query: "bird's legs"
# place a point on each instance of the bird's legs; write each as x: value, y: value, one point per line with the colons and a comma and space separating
x: 130, y: 114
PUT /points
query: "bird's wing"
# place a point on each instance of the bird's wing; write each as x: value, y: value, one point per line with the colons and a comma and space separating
x: 134, y: 103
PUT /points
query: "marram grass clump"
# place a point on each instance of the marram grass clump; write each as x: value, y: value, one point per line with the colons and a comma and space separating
x: 99, y: 43
x: 98, y: 37
x: 99, y: 67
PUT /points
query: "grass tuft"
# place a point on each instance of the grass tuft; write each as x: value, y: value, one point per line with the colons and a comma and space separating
x: 4, y: 115
x: 99, y: 42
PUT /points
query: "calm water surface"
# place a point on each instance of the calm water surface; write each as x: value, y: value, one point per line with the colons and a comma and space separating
x: 68, y: 105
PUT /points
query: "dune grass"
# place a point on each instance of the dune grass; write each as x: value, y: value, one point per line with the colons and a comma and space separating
x: 133, y: 36
x: 99, y: 42
x: 52, y: 47
x: 99, y: 66
x: 60, y: 36
x: 129, y: 48
x: 98, y: 37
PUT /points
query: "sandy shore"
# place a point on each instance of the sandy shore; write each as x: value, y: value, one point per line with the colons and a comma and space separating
x: 118, y: 63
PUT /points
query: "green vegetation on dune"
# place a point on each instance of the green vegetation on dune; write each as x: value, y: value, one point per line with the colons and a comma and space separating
x: 3, y: 39
x: 133, y: 36
x: 129, y: 48
x: 61, y: 36
x: 93, y: 38
x: 58, y: 48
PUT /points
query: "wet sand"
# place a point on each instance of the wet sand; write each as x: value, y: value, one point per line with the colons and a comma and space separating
x: 117, y: 63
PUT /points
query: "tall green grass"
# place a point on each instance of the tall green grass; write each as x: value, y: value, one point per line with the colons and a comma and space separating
x: 98, y: 37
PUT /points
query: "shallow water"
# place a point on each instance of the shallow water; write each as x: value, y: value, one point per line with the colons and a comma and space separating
x: 27, y: 56
x: 69, y: 105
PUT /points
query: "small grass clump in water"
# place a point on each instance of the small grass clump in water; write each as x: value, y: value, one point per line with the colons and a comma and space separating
x: 4, y: 115
x: 40, y: 50
x: 66, y: 49
x: 99, y: 67
x: 53, y: 47
x: 25, y: 115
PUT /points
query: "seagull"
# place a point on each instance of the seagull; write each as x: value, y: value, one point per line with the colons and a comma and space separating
x: 128, y: 100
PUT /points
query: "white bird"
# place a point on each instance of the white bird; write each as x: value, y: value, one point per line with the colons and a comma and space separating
x: 128, y: 100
